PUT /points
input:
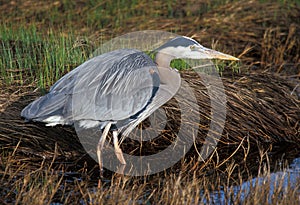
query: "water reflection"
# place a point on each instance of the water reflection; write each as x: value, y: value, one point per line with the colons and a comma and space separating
x: 281, y: 180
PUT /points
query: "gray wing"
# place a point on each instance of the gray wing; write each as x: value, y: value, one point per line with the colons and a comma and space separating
x: 165, y: 92
x: 109, y: 87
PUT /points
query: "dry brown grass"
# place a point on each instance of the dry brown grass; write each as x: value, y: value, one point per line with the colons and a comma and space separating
x: 35, y: 157
x: 261, y: 107
x: 40, y: 165
x: 49, y: 182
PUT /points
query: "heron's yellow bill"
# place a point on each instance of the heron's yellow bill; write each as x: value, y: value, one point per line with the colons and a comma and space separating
x: 219, y: 55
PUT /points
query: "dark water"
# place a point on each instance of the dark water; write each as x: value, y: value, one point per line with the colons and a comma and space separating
x: 286, y: 178
x: 290, y: 177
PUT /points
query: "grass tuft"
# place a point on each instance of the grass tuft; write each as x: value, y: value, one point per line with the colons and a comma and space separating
x: 27, y: 56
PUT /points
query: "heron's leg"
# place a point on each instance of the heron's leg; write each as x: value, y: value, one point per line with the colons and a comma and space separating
x: 118, y: 150
x: 101, y: 144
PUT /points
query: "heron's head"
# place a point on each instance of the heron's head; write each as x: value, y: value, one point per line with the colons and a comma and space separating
x: 188, y: 48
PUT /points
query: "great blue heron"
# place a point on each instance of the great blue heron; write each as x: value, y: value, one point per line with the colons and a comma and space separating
x: 117, y: 90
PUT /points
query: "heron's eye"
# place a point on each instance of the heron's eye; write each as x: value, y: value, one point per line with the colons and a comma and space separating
x: 192, y: 47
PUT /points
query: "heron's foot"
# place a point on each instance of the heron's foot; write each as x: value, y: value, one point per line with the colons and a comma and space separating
x: 101, y: 171
x: 121, y: 169
x: 99, y: 184
x: 100, y: 174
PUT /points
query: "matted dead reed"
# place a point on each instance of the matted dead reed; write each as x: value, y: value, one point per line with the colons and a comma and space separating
x: 51, y: 181
x: 261, y: 108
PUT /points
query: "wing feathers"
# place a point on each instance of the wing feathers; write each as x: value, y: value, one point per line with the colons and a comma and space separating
x: 109, y: 87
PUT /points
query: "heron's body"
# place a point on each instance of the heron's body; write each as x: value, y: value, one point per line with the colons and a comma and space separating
x: 97, y: 92
x: 116, y: 91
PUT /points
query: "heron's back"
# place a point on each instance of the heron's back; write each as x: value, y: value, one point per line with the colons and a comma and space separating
x: 111, y: 87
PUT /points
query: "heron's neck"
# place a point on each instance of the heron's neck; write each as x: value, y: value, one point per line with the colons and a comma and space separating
x: 166, y: 74
x: 163, y: 59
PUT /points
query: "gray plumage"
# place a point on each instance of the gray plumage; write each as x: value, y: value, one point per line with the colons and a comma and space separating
x: 99, y: 90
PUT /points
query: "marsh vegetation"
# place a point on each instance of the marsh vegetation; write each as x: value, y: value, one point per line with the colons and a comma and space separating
x: 257, y: 158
